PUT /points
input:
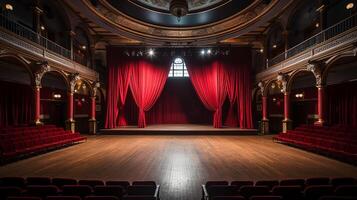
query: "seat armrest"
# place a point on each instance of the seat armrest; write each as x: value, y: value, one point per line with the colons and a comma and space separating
x: 157, y: 192
x: 204, y: 193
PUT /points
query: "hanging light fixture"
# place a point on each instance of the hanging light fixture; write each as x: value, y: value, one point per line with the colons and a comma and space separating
x: 179, y: 8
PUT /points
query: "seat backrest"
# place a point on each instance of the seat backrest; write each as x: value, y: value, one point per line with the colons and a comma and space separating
x: 59, y: 182
x: 288, y: 182
x: 63, y: 198
x: 317, y: 181
x: 139, y: 198
x: 222, y: 190
x: 249, y: 191
x: 38, y: 181
x: 91, y: 183
x: 42, y: 190
x: 229, y: 198
x: 108, y: 190
x: 346, y: 190
x: 290, y: 192
x: 210, y: 183
x: 316, y: 191
x: 266, y: 198
x: 343, y: 181
x: 141, y: 190
x: 269, y: 183
x: 144, y: 183
x: 12, y: 181
x: 24, y: 198
x: 242, y: 183
x: 101, y: 198
x: 338, y: 198
x: 123, y: 184
x: 77, y: 190
x: 9, y: 191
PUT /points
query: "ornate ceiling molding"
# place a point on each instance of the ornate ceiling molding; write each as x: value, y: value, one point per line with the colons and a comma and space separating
x: 113, y: 20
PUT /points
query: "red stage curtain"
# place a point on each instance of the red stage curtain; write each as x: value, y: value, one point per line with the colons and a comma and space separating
x: 244, y: 97
x: 231, y: 119
x: 119, y: 73
x: 146, y: 83
x: 16, y: 104
x: 209, y: 81
x: 342, y: 104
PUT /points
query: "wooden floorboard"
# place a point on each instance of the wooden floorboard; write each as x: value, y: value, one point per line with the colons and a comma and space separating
x: 180, y: 164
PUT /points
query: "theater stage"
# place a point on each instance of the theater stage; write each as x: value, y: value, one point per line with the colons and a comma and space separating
x: 179, y: 129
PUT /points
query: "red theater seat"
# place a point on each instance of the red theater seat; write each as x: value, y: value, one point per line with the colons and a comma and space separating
x: 59, y: 182
x: 123, y: 184
x: 346, y: 190
x: 242, y: 183
x: 9, y: 191
x: 229, y: 198
x: 288, y: 192
x: 109, y: 190
x: 318, y: 181
x: 77, y: 190
x: 91, y: 183
x: 249, y: 191
x: 139, y: 198
x: 101, y: 198
x: 222, y: 190
x: 287, y: 182
x: 41, y: 190
x: 316, y: 191
x: 338, y: 198
x: 141, y: 190
x: 210, y: 183
x: 268, y: 183
x: 63, y: 198
x: 38, y: 181
x: 13, y: 181
x: 144, y: 183
x: 343, y: 181
x: 265, y: 198
x: 24, y: 198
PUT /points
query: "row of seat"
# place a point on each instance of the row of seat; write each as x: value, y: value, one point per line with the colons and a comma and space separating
x: 27, y: 140
x: 289, y: 189
x: 79, y: 198
x: 42, y: 187
x: 25, y: 128
x: 338, y: 144
x: 272, y: 197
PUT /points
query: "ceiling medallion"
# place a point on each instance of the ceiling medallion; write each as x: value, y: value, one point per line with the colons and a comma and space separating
x: 179, y: 8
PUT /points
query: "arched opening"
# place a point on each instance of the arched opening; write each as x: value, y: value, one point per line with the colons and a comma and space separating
x: 16, y: 99
x: 275, y: 106
x: 178, y: 68
x: 257, y: 107
x: 100, y: 108
x: 53, y: 99
x: 81, y: 105
x: 341, y: 100
x: 303, y: 23
x: 303, y: 98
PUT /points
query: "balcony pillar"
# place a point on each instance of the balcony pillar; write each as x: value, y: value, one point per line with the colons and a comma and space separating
x: 71, y: 38
x: 265, y: 120
x: 287, y: 123
x: 92, y: 112
x: 70, y: 122
x: 320, y: 105
x: 37, y: 95
x: 40, y: 69
x: 37, y: 12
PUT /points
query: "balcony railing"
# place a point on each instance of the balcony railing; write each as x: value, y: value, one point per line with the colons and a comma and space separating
x: 25, y: 32
x: 324, y: 35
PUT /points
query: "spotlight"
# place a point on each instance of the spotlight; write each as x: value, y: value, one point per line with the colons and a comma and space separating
x: 151, y: 52
x: 203, y: 52
x: 84, y: 47
x: 261, y: 50
x: 57, y: 96
x: 9, y: 7
x: 274, y: 46
x: 317, y: 25
x: 209, y: 51
x: 42, y: 27
x: 349, y: 6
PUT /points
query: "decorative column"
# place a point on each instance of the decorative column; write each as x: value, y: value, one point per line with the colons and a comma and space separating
x: 40, y: 69
x: 286, y: 39
x: 92, y: 119
x: 265, y: 121
x: 316, y: 69
x: 71, y: 39
x: 37, y: 12
x: 70, y: 122
x: 287, y: 123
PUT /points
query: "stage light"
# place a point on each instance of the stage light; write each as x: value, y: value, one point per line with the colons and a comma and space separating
x: 42, y: 27
x: 57, y: 96
x: 84, y: 47
x: 317, y: 25
x: 9, y: 7
x: 203, y: 52
x: 209, y: 51
x: 261, y: 50
x: 151, y: 52
x: 349, y: 6
x: 274, y: 46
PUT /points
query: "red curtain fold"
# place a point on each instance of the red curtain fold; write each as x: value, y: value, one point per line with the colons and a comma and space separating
x: 112, y: 97
x: 244, y: 97
x: 124, y: 74
x: 146, y: 83
x: 231, y: 119
x: 209, y: 81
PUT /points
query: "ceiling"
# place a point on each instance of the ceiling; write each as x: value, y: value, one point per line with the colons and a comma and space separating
x: 201, y: 12
x: 148, y: 22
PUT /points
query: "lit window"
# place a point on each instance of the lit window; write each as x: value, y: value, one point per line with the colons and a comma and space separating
x: 178, y: 68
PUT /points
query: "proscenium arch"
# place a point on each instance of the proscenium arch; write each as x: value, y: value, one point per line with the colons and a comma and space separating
x: 330, y: 63
x: 88, y: 84
x: 293, y: 76
x: 24, y: 63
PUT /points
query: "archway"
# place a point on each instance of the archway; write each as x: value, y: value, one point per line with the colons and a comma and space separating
x: 257, y: 107
x: 54, y: 98
x: 275, y: 105
x: 16, y: 99
x: 303, y: 98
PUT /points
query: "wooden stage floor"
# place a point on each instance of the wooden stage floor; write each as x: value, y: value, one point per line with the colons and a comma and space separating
x: 179, y: 163
x: 178, y: 129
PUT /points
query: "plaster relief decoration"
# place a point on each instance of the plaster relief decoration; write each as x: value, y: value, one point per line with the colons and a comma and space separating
x: 95, y: 86
x: 41, y: 68
x: 261, y: 87
x: 315, y: 68
x: 282, y: 79
x: 73, y: 78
